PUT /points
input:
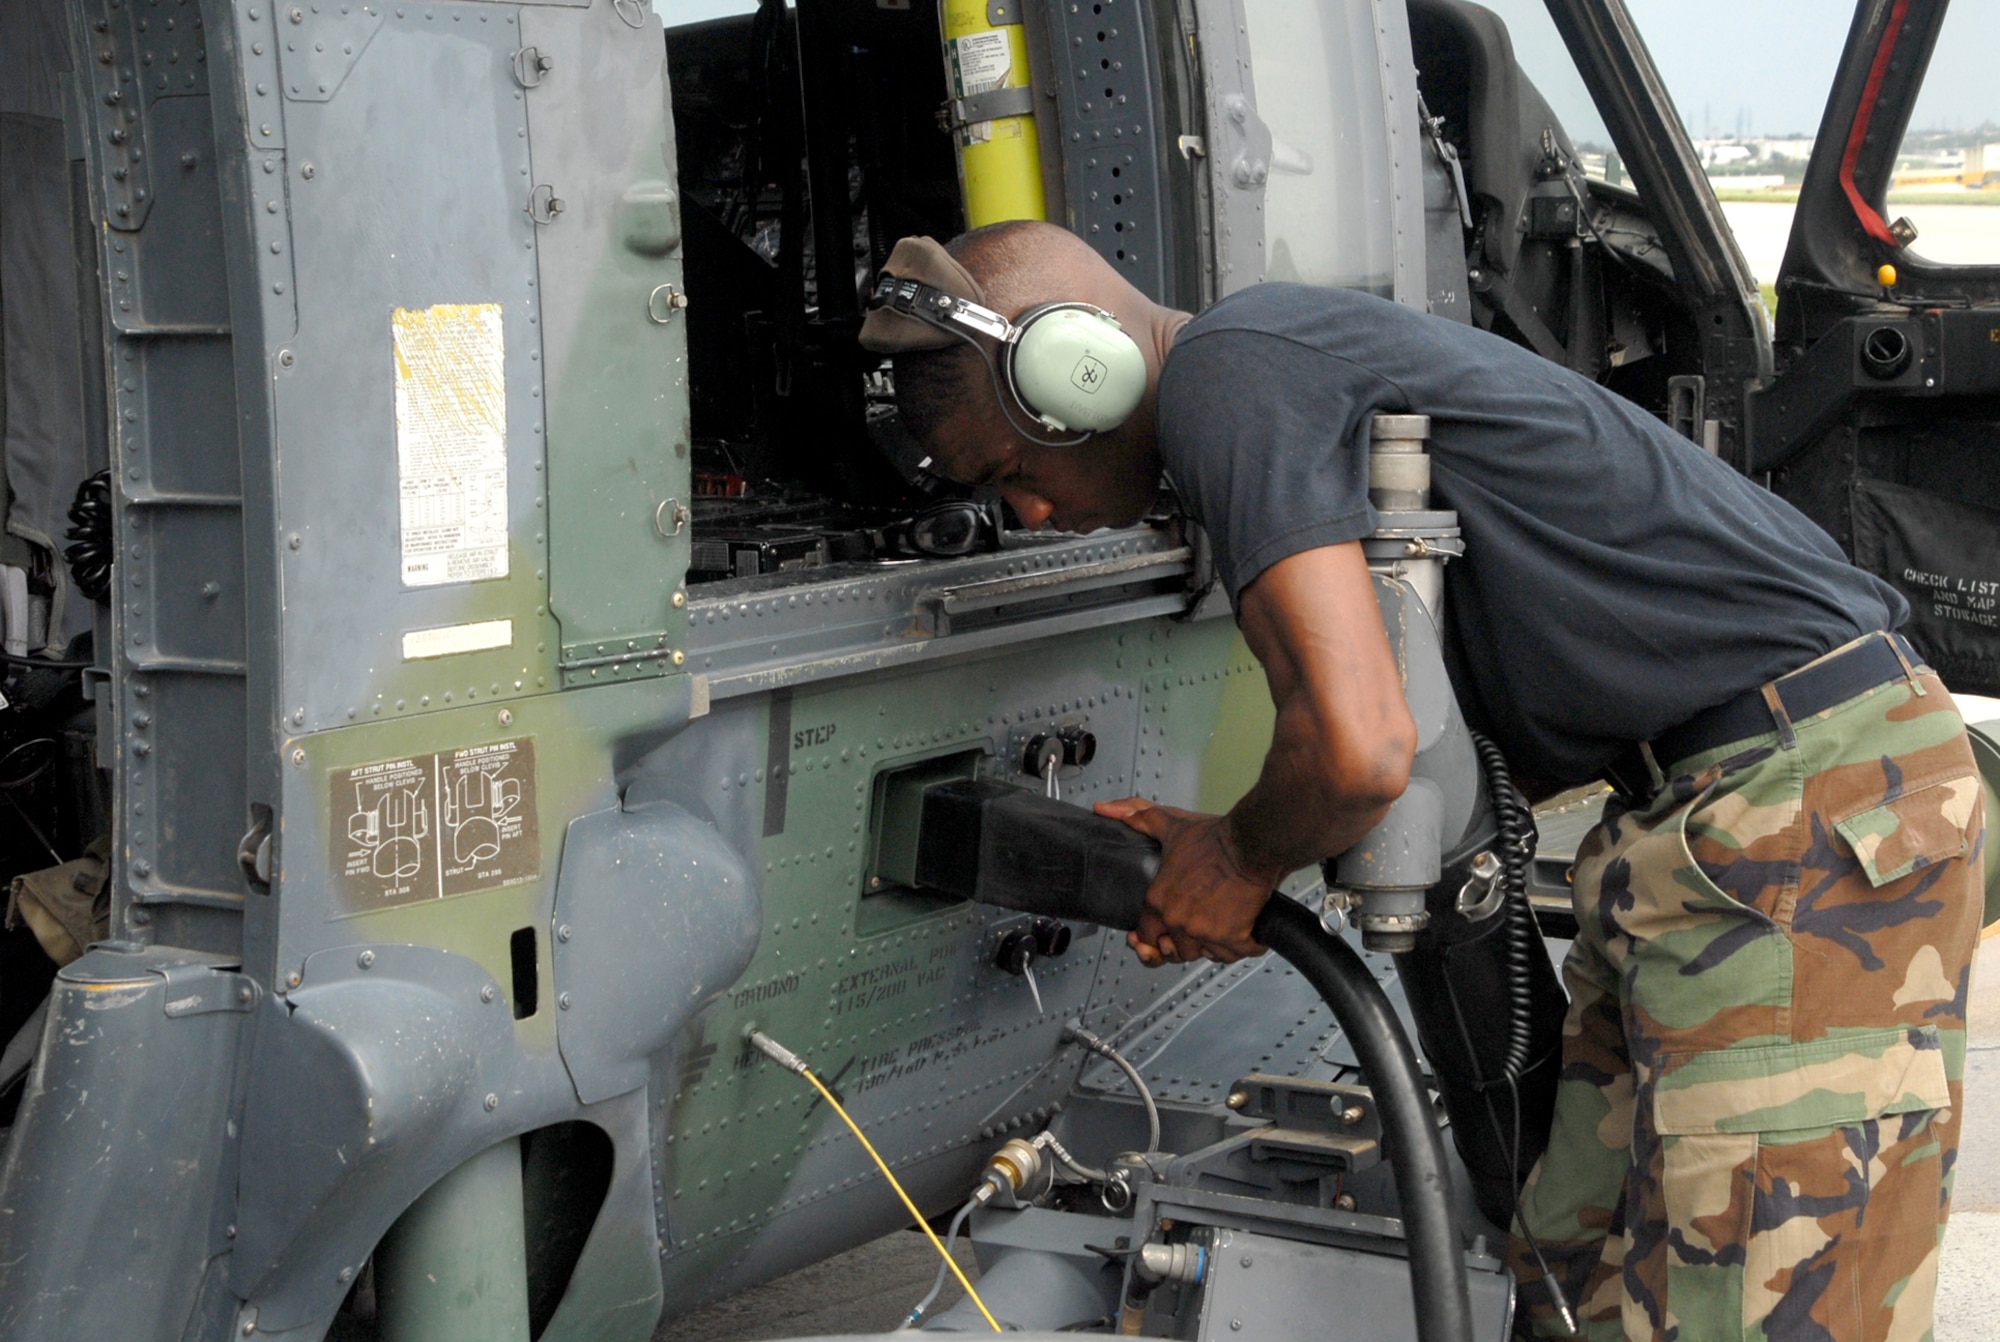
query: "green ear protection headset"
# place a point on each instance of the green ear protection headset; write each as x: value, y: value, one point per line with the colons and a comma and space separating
x: 1070, y: 365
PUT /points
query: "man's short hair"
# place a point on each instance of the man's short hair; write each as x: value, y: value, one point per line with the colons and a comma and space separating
x: 932, y: 384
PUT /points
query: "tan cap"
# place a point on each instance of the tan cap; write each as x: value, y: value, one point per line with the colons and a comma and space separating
x: 885, y: 331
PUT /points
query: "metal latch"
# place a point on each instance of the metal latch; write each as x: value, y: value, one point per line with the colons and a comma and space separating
x: 664, y: 302
x: 530, y: 65
x: 253, y: 850
x: 199, y: 989
x: 544, y: 204
x: 670, y: 518
x: 1313, y: 1150
x: 1447, y: 153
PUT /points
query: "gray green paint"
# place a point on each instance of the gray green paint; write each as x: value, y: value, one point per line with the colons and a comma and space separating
x: 259, y: 657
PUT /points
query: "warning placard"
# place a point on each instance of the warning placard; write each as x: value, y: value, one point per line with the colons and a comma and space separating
x: 451, y: 442
x: 428, y: 826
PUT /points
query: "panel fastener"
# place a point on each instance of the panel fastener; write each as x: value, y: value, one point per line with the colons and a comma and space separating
x: 664, y: 302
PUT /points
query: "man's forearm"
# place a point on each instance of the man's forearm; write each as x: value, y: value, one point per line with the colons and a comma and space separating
x: 1343, y: 741
x: 1304, y: 807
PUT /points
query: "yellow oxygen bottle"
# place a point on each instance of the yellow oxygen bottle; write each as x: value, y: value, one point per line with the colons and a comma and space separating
x: 992, y: 111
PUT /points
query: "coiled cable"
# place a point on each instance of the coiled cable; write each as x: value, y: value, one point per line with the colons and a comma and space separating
x: 89, y: 553
x: 1515, y: 849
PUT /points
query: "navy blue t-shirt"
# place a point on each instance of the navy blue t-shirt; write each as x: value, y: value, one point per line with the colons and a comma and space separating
x: 1617, y: 579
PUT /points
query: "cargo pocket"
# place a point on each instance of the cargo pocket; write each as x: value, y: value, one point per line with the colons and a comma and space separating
x: 1916, y: 830
x: 1798, y: 1178
x: 1822, y: 1084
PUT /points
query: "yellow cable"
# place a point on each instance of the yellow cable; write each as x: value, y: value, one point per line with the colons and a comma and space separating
x: 922, y: 1224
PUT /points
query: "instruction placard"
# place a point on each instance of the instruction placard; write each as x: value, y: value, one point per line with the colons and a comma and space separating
x: 980, y: 63
x: 1943, y: 555
x: 428, y: 826
x: 451, y: 442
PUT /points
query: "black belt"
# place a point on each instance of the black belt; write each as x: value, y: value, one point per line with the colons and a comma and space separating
x: 1809, y: 690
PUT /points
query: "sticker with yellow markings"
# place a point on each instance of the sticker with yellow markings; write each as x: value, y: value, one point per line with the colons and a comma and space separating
x: 451, y: 442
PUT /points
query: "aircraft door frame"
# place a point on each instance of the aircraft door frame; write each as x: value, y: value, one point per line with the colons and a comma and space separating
x: 1882, y: 420
x: 1721, y: 293
x: 1841, y: 232
x: 1384, y: 148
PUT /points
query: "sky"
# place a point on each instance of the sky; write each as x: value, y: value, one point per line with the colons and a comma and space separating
x: 1769, y: 62
x: 1762, y: 64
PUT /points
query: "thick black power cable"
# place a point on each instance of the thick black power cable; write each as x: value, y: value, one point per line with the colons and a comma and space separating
x: 1402, y: 1099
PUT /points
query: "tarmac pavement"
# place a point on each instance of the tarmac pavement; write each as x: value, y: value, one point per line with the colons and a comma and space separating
x: 865, y: 1290
x: 1968, y: 1306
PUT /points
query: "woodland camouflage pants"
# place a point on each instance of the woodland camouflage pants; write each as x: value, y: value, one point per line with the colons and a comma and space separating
x: 1759, y: 1106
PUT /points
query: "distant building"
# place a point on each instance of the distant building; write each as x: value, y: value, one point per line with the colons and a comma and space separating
x: 1752, y: 162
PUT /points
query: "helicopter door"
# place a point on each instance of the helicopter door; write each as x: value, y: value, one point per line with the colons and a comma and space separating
x: 1313, y: 165
x: 1884, y: 417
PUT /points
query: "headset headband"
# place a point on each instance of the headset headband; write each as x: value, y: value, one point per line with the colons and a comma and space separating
x: 946, y: 320
x: 934, y: 307
x: 1070, y: 365
x: 896, y: 328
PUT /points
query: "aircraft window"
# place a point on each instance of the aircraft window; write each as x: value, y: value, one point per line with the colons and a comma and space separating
x: 675, y: 13
x: 1947, y: 179
x: 1751, y: 117
x: 1319, y: 89
x: 1542, y: 57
